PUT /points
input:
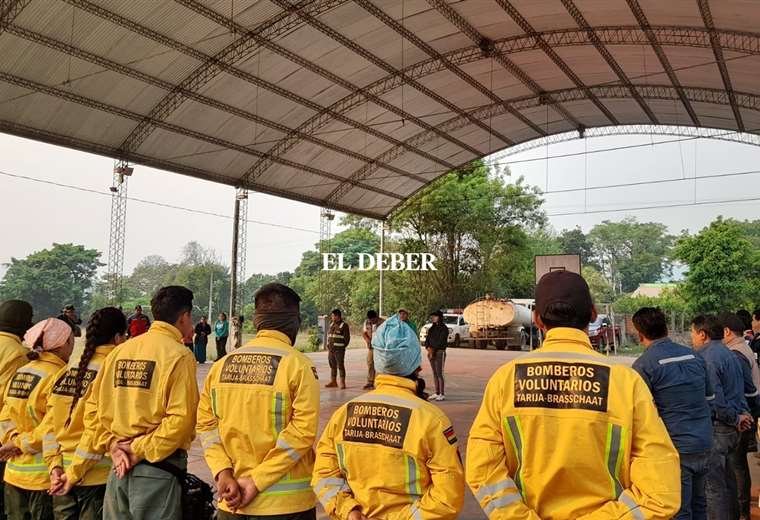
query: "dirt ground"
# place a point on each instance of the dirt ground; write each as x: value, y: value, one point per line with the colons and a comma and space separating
x: 467, y: 373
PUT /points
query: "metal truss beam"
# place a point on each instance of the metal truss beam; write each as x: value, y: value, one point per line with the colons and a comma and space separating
x: 83, y: 145
x: 97, y: 105
x: 199, y: 98
x: 216, y: 65
x: 381, y: 15
x: 118, y: 230
x: 641, y: 18
x: 660, y: 92
x: 239, y: 245
x: 9, y: 10
x: 486, y: 47
x: 604, y: 131
x: 704, y: 8
x: 698, y: 37
x: 312, y: 67
x: 520, y: 20
x: 607, y: 56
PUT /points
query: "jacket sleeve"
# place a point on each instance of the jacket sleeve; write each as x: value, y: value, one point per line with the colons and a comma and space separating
x: 329, y: 481
x: 208, y: 431
x: 51, y: 450
x: 720, y: 409
x: 95, y: 441
x: 297, y: 438
x: 750, y: 392
x: 487, y: 472
x: 346, y: 334
x: 444, y: 498
x: 179, y: 422
x: 655, y: 471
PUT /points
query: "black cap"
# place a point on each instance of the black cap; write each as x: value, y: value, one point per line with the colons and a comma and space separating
x: 562, y: 287
x: 15, y: 317
x: 437, y: 313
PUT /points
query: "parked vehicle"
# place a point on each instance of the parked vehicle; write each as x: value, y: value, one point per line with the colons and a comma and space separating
x: 602, y: 334
x: 501, y: 322
x: 459, y: 330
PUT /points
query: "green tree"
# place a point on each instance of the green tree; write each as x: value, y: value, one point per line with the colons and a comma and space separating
x: 601, y: 290
x: 631, y: 252
x: 51, y: 278
x: 149, y: 275
x: 723, y: 267
x: 575, y: 241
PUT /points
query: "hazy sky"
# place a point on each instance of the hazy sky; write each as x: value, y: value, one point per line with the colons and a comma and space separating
x: 35, y: 215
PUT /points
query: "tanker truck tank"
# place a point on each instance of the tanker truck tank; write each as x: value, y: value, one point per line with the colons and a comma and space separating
x: 502, y: 322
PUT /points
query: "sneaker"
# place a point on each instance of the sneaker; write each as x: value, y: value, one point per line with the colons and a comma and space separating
x: 433, y: 397
x: 368, y: 387
x: 440, y: 397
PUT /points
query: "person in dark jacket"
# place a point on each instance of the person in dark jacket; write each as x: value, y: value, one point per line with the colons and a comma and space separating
x: 338, y: 338
x: 680, y: 385
x: 202, y: 332
x: 436, y: 341
x: 754, y: 344
x: 730, y: 413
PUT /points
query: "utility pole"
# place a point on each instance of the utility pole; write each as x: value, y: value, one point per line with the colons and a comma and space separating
x: 211, y: 297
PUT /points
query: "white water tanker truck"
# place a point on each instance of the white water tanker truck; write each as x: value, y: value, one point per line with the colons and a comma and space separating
x: 501, y: 322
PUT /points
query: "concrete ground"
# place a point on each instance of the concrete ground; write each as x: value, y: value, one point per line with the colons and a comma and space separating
x: 467, y: 374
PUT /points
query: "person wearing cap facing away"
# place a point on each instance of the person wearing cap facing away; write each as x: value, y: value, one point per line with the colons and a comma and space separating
x: 22, y: 430
x: 15, y: 320
x: 562, y: 433
x: 436, y: 341
x: 389, y: 453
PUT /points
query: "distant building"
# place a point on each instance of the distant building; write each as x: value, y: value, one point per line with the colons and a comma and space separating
x: 653, y: 290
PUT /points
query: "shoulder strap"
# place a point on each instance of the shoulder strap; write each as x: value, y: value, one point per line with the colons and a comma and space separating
x: 168, y: 467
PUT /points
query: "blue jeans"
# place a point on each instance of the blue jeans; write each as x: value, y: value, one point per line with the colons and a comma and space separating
x: 694, y: 468
x: 722, y: 500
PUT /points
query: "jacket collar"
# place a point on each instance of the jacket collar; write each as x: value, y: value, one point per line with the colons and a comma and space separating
x: 165, y: 329
x: 275, y: 335
x: 10, y: 335
x: 401, y: 383
x: 566, y: 338
x: 49, y: 357
x: 736, y: 343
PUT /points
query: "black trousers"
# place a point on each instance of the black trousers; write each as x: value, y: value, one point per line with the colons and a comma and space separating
x: 221, y: 347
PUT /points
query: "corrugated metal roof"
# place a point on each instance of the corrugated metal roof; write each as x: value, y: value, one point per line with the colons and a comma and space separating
x: 356, y: 105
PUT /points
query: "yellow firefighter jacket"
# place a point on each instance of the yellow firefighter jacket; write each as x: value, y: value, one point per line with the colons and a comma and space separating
x: 391, y: 455
x: 564, y: 433
x: 12, y: 357
x: 148, y: 393
x: 21, y: 421
x: 61, y: 440
x: 258, y: 415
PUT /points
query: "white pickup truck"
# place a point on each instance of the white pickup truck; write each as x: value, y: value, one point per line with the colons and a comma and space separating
x: 459, y: 330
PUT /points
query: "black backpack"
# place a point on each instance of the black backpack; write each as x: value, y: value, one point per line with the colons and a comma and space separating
x: 197, y: 496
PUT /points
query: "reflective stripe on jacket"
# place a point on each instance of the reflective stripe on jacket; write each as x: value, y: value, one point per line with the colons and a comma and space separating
x: 61, y: 440
x: 149, y: 393
x: 21, y: 421
x: 338, y: 336
x: 258, y: 415
x: 391, y: 454
x: 563, y: 433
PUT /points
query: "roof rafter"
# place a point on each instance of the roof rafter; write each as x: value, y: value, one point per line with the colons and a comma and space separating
x: 9, y: 10
x: 746, y: 43
x: 200, y: 98
x: 523, y: 23
x: 641, y: 18
x: 216, y: 62
x: 611, y: 61
x: 704, y: 8
x: 316, y: 69
x: 660, y: 92
x: 134, y: 157
x: 126, y: 114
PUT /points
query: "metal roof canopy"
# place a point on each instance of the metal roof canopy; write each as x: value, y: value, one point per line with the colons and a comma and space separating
x: 356, y: 105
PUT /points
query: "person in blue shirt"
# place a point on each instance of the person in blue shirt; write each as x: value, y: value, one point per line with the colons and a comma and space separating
x: 730, y: 414
x: 680, y: 385
x: 222, y: 332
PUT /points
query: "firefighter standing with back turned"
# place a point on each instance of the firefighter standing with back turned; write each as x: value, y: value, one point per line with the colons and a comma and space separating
x: 562, y: 433
x: 258, y: 418
x: 389, y: 454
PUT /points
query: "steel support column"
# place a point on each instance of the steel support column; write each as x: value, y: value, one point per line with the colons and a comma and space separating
x: 234, y: 258
x: 121, y: 173
x: 241, y: 197
x: 382, y: 250
x: 326, y: 217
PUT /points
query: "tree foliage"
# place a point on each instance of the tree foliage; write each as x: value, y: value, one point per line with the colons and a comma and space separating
x: 52, y: 278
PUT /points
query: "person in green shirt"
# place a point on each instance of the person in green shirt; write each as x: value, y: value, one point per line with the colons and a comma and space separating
x: 221, y: 331
x: 404, y: 316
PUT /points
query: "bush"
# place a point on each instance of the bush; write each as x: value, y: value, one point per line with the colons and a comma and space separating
x: 313, y: 341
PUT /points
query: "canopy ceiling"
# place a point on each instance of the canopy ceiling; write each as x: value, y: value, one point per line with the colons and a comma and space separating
x: 356, y: 105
